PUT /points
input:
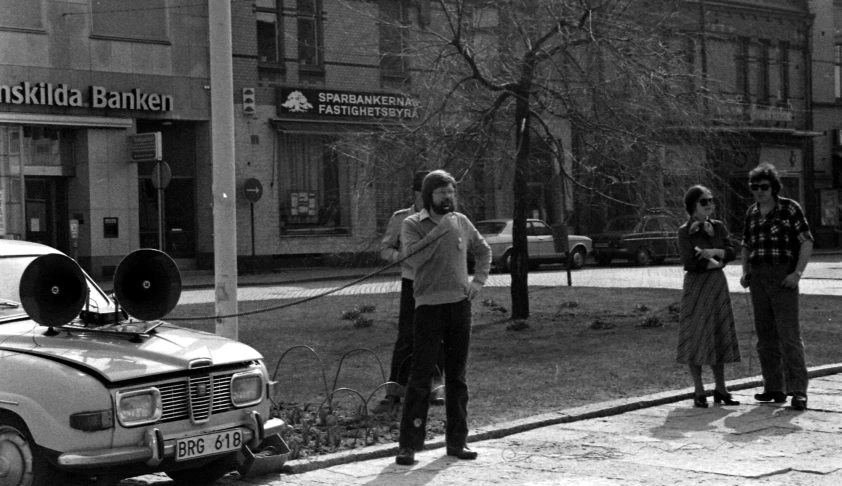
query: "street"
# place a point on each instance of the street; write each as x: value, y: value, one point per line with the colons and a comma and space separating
x: 822, y: 277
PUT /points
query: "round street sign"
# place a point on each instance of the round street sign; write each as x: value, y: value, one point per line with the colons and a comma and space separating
x: 252, y: 190
x: 161, y: 175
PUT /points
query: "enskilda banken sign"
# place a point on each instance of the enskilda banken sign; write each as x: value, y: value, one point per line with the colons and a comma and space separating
x: 46, y: 94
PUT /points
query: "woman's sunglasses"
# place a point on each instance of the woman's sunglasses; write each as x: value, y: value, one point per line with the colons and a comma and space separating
x: 760, y: 187
x: 705, y: 201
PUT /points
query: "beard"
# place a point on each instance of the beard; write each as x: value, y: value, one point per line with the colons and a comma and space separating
x: 446, y: 206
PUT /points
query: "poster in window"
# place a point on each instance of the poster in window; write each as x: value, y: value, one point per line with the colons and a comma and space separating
x: 293, y: 203
x: 303, y: 204
x: 829, y: 207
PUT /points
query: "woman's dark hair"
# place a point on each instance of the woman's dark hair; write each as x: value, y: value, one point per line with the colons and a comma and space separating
x: 692, y: 196
x: 434, y: 180
x: 766, y: 171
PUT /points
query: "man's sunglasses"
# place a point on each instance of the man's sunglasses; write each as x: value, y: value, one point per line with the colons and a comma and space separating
x: 760, y: 187
x: 705, y: 201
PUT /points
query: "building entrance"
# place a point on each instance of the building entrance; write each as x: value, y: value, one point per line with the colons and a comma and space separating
x: 46, y: 211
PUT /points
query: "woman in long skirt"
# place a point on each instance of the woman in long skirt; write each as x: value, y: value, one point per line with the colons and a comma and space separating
x: 706, y: 331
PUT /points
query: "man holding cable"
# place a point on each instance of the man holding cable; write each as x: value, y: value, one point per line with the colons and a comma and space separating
x: 777, y: 244
x: 403, y: 348
x: 437, y: 240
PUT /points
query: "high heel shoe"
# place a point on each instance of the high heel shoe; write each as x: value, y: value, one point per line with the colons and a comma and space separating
x: 700, y: 401
x: 724, y: 397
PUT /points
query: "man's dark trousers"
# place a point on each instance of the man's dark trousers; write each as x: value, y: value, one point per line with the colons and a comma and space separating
x: 436, y: 325
x: 401, y: 362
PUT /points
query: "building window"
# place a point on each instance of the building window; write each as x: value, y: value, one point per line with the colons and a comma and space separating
x: 741, y: 64
x: 837, y: 71
x: 310, y: 45
x: 17, y: 15
x: 129, y: 19
x: 311, y: 181
x: 270, y: 47
x: 783, y: 68
x: 763, y: 72
x: 393, y: 26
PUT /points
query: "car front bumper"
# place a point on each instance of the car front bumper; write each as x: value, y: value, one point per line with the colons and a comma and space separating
x: 156, y: 448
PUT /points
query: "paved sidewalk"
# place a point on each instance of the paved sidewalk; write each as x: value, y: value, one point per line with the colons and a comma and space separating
x: 656, y: 439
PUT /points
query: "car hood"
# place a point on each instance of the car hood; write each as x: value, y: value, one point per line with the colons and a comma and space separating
x: 117, y: 358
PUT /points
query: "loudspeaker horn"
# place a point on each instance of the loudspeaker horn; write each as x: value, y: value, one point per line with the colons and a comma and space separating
x: 147, y: 284
x: 53, y: 289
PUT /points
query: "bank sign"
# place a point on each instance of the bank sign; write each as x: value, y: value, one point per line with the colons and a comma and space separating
x: 48, y: 94
x: 317, y: 103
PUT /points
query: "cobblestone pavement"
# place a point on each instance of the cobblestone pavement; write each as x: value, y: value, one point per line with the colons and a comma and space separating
x: 653, y: 440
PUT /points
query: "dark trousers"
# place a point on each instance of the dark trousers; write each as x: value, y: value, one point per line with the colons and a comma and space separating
x: 779, y: 344
x: 447, y: 325
x: 402, y: 351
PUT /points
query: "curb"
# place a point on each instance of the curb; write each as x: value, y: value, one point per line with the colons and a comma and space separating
x: 585, y: 412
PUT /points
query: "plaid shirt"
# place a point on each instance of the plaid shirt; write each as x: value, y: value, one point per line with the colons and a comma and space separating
x: 777, y: 237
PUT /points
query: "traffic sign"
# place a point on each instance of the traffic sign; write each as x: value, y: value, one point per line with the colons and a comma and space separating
x: 252, y: 190
x: 161, y: 175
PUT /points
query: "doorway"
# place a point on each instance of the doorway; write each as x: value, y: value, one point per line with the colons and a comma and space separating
x: 46, y: 212
x: 178, y: 198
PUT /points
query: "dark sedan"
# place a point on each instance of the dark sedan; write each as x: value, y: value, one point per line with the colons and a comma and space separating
x: 639, y: 239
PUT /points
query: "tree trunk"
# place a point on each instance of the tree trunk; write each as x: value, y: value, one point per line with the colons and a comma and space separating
x: 520, y: 251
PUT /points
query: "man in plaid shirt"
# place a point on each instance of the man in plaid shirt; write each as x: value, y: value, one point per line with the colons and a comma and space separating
x: 777, y: 244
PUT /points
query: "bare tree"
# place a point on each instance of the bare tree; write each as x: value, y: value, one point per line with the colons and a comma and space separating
x: 505, y: 80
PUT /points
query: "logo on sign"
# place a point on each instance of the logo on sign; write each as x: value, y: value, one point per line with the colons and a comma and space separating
x: 297, y: 103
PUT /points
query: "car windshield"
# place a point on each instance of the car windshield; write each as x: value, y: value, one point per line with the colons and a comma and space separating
x: 491, y: 227
x: 12, y: 268
x: 623, y: 223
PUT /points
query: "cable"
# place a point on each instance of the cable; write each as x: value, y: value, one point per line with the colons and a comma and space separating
x: 313, y: 297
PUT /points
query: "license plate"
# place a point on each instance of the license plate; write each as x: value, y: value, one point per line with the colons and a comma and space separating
x: 206, y: 445
x: 600, y: 245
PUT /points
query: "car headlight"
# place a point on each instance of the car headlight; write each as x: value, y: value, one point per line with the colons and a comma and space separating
x: 138, y: 407
x: 247, y: 388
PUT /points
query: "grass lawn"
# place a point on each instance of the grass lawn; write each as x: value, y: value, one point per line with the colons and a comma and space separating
x: 579, y: 346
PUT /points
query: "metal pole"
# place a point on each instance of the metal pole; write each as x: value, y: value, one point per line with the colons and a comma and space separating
x: 222, y: 153
x: 252, y: 236
x: 160, y: 206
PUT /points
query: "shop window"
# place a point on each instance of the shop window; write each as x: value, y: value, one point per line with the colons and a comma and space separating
x: 313, y: 187
x: 270, y: 46
x: 130, y: 19
x: 18, y: 15
x: 393, y: 42
x: 310, y: 44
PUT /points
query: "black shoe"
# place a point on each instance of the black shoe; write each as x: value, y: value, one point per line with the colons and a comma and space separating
x: 799, y: 402
x: 724, y: 397
x: 462, y: 452
x: 767, y: 396
x: 406, y: 456
x: 387, y: 404
x: 700, y: 401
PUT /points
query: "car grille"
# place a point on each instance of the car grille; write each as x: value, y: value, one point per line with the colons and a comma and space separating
x: 196, y: 398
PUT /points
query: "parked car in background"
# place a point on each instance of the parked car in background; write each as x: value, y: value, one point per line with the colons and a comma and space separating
x: 539, y: 237
x: 93, y: 387
x: 639, y: 239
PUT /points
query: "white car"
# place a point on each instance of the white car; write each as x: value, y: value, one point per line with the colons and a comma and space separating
x: 539, y: 237
x: 86, y: 390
